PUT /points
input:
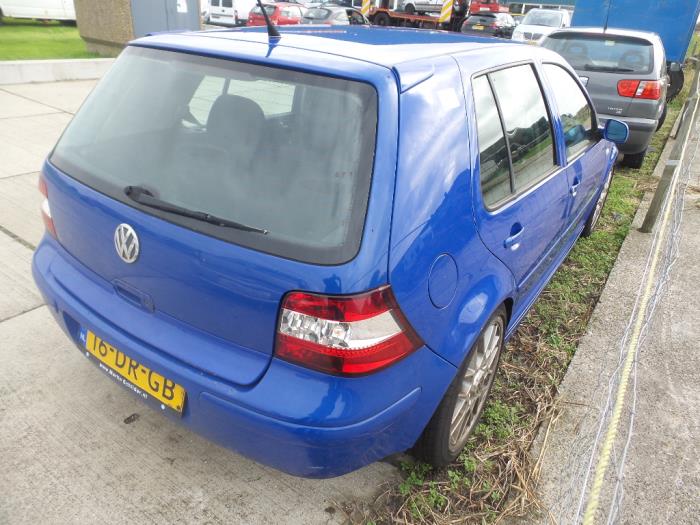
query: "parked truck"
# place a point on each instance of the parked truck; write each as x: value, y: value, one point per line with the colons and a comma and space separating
x: 448, y: 15
x: 430, y: 14
x: 673, y: 20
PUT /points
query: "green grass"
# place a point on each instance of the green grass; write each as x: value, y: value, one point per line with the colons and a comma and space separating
x: 494, y: 476
x: 34, y: 40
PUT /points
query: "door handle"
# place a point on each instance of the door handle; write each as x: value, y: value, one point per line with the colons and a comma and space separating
x: 574, y: 187
x: 512, y: 242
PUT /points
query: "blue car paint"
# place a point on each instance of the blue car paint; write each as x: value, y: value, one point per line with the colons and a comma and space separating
x: 433, y: 182
x: 304, y: 422
x: 421, y: 236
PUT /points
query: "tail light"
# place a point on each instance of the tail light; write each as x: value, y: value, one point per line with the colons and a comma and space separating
x: 46, y: 209
x: 649, y: 89
x: 344, y: 335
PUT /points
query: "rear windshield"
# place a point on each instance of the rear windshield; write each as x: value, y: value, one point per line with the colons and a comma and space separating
x: 481, y: 19
x: 542, y: 18
x: 606, y: 53
x: 269, y: 9
x: 274, y: 149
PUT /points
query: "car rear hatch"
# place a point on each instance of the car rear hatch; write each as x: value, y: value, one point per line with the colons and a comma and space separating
x: 223, y: 139
x: 222, y: 10
x: 605, y: 62
x: 480, y: 22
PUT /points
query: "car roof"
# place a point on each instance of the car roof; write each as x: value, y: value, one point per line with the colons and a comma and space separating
x: 609, y: 31
x: 540, y: 9
x: 383, y: 46
x: 332, y: 7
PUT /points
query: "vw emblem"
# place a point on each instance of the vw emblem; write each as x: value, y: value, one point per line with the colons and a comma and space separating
x: 126, y: 243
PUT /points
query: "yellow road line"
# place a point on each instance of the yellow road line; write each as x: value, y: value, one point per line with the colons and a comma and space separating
x: 611, y: 433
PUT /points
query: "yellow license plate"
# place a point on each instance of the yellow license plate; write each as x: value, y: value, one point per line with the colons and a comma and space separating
x: 134, y: 375
x: 478, y: 28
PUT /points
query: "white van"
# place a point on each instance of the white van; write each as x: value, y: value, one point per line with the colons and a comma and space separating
x: 41, y: 9
x: 229, y: 12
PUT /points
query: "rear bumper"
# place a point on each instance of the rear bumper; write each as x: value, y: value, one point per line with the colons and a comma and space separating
x: 296, y: 420
x: 641, y: 132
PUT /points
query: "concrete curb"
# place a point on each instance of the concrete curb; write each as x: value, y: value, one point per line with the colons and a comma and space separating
x: 26, y: 71
x: 568, y: 443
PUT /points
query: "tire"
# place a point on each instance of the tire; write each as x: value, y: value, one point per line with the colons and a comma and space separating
x: 592, y: 220
x: 382, y: 19
x: 444, y: 437
x: 410, y: 9
x: 677, y: 78
x: 635, y: 160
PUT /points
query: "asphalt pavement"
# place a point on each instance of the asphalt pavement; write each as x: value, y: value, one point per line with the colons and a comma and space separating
x: 76, y: 448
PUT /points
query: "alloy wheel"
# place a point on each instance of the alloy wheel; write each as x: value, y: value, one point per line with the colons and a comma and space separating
x: 476, y: 383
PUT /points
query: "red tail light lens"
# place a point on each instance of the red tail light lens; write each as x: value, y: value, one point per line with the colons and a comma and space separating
x: 46, y: 209
x: 648, y: 89
x: 344, y: 335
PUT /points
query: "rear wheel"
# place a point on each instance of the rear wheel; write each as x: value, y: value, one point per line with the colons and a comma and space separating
x: 677, y: 78
x: 410, y: 9
x: 595, y: 214
x: 635, y: 160
x: 382, y: 19
x: 459, y: 411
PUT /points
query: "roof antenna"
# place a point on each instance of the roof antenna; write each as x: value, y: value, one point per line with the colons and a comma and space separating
x: 607, y: 17
x: 271, y: 29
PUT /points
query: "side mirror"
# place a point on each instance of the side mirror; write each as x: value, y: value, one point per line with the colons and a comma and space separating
x: 616, y: 131
x: 674, y: 67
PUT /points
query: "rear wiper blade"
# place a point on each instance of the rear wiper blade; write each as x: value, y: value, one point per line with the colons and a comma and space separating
x: 146, y: 198
x: 609, y: 69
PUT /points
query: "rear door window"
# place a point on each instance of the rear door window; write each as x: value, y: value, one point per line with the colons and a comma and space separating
x: 605, y: 53
x: 576, y: 115
x: 526, y: 123
x: 494, y: 166
x: 274, y: 149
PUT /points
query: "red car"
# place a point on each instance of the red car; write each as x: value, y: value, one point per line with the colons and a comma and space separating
x: 281, y: 14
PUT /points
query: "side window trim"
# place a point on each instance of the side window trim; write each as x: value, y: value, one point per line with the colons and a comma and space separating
x: 556, y: 168
x: 511, y: 175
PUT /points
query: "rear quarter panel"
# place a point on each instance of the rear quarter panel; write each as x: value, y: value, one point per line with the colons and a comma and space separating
x: 444, y: 279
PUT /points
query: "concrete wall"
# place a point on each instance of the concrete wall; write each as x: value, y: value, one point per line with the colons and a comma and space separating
x: 105, y: 26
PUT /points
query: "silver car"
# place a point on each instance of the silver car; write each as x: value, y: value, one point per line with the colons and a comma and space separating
x: 421, y: 6
x: 625, y: 74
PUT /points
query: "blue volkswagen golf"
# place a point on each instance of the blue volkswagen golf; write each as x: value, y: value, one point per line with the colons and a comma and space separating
x: 312, y: 249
